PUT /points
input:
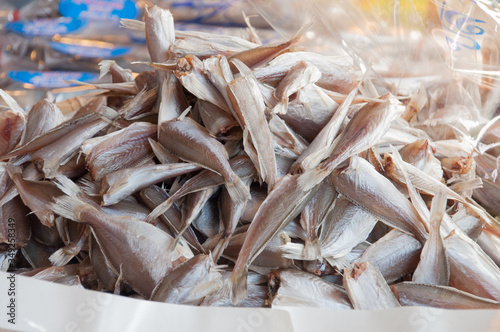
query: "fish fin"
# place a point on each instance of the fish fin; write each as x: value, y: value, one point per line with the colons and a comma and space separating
x: 132, y: 24
x: 238, y: 191
x: 179, y: 237
x: 438, y: 207
x: 104, y: 67
x: 238, y: 287
x: 12, y: 170
x: 67, y: 186
x: 62, y: 256
x: 341, y: 263
x: 184, y: 113
x: 210, y: 244
x: 108, y: 114
x: 160, y: 209
x: 312, y: 249
x: 68, y: 207
x: 244, y: 70
x: 293, y: 250
x: 301, y: 252
x: 461, y: 187
x: 222, y: 243
x: 12, y: 103
x: 89, y: 187
x: 280, y: 108
x: 310, y: 178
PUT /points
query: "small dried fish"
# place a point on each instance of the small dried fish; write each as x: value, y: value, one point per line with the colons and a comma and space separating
x: 471, y: 270
x: 118, y: 73
x: 191, y: 73
x: 12, y: 123
x: 136, y: 248
x: 230, y: 214
x: 271, y: 256
x: 364, y: 186
x: 37, y: 195
x: 313, y: 216
x: 120, y: 184
x: 115, y: 151
x: 344, y: 227
x: 262, y: 54
x: 337, y: 73
x: 189, y: 282
x: 396, y: 254
x: 368, y: 125
x: 414, y: 294
x: 297, y: 77
x: 249, y: 107
x: 282, y: 204
x: 433, y: 268
x: 241, y: 165
x: 152, y: 197
x: 367, y: 288
x: 191, y: 142
x: 291, y: 287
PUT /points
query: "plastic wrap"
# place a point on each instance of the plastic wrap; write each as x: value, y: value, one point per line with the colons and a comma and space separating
x: 403, y: 38
x: 449, y: 48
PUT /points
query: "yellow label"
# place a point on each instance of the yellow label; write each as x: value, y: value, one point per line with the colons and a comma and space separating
x: 406, y: 6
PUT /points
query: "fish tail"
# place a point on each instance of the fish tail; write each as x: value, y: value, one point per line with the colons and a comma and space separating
x: 160, y: 209
x: 104, y: 67
x: 238, y: 191
x: 9, y: 194
x: 62, y: 256
x: 238, y: 286
x: 68, y: 187
x: 222, y: 243
x: 293, y: 250
x: 341, y: 263
x: 133, y: 24
x: 280, y: 108
x: 68, y: 207
x: 312, y: 249
x: 12, y: 103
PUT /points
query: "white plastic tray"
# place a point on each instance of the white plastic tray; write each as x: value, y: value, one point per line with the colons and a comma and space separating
x: 45, y: 306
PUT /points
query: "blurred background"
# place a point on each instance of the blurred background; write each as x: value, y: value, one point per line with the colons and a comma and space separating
x: 18, y: 3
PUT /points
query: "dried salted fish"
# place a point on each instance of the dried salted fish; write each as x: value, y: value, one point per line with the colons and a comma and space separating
x: 433, y: 268
x: 414, y: 294
x: 367, y: 288
x: 191, y: 142
x: 291, y: 287
x: 190, y: 282
x: 120, y: 241
x: 301, y: 176
x: 364, y: 186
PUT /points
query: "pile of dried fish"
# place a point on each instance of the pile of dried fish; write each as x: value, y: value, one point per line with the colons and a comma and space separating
x: 242, y: 174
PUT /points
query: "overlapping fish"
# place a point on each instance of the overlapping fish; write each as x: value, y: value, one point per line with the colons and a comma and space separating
x: 239, y: 174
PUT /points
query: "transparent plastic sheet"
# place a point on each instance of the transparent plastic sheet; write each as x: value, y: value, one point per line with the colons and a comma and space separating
x: 43, y: 306
x: 407, y: 42
x: 353, y: 32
